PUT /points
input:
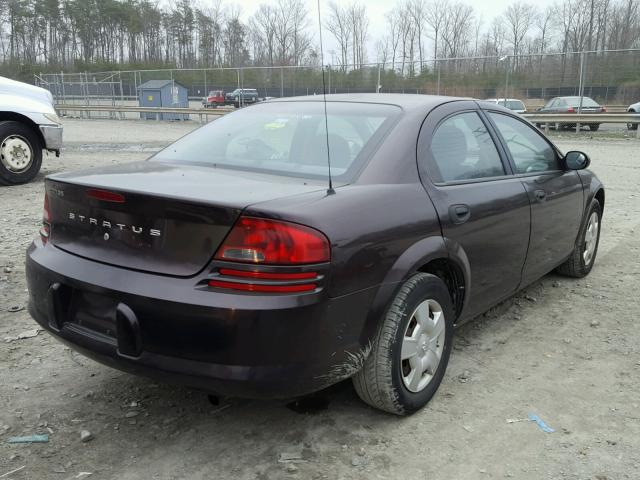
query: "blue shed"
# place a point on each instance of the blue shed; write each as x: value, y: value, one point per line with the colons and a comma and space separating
x: 163, y: 93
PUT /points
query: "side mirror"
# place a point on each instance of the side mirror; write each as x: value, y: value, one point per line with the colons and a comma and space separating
x: 575, y: 160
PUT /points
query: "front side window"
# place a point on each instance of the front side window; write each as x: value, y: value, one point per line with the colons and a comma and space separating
x: 530, y: 152
x: 462, y: 149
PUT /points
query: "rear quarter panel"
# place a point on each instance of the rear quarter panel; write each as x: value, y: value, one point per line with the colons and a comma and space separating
x: 369, y: 226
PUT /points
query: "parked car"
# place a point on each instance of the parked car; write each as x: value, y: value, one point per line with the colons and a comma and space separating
x: 216, y: 98
x: 243, y: 272
x: 242, y: 96
x: 28, y: 125
x: 564, y: 105
x: 511, y: 103
x: 635, y: 108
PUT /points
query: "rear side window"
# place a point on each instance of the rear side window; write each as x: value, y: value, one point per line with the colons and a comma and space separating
x: 530, y: 152
x: 513, y: 104
x: 462, y: 149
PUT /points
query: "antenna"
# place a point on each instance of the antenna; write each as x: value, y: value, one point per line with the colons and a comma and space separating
x: 324, y: 101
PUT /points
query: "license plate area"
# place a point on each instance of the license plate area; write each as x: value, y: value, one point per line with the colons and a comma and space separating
x: 93, y: 312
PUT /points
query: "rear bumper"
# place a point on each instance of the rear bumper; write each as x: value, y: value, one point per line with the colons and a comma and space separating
x: 52, y: 135
x: 257, y: 346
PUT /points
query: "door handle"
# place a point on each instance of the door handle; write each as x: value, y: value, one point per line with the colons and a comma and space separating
x: 540, y: 195
x: 459, y: 213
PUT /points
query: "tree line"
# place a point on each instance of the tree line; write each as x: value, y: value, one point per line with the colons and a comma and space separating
x: 87, y: 34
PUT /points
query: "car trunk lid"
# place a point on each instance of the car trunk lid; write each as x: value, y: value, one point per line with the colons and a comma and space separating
x: 155, y: 217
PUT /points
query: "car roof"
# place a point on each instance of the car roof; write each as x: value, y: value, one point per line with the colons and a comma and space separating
x: 502, y: 100
x: 573, y: 97
x: 408, y: 101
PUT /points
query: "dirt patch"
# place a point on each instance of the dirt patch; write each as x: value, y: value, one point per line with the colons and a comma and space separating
x: 565, y: 350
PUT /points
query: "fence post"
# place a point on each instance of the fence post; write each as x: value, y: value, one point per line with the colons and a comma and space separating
x: 64, y: 97
x: 506, y: 81
x: 122, y: 116
x: 378, y: 84
x: 281, y: 83
x: 580, y: 88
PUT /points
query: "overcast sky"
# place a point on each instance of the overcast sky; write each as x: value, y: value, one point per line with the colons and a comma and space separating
x: 377, y: 11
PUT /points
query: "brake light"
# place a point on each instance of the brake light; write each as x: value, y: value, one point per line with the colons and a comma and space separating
x: 571, y: 110
x: 45, y: 230
x: 105, y: 195
x: 273, y: 242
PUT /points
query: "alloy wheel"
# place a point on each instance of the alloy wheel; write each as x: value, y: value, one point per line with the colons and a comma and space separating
x: 591, y: 238
x: 422, y: 345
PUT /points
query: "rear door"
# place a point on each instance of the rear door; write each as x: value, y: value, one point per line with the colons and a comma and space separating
x: 483, y: 209
x: 556, y: 195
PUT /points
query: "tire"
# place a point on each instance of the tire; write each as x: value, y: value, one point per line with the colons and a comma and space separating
x: 632, y: 126
x: 16, y: 136
x: 381, y: 381
x: 579, y: 264
x: 594, y: 127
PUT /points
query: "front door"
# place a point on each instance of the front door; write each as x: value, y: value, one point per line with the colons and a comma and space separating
x: 556, y: 195
x: 483, y: 209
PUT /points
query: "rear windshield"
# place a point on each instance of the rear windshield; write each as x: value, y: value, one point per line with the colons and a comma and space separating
x: 512, y: 104
x: 288, y: 138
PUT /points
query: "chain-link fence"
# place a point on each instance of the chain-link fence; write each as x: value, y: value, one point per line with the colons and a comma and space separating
x: 611, y: 78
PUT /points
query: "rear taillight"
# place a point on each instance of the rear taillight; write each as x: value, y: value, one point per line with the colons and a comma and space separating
x: 571, y: 110
x: 267, y: 244
x: 45, y: 230
x: 272, y: 242
x: 604, y: 109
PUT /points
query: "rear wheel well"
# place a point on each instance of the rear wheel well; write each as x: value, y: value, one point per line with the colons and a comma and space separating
x: 16, y: 117
x: 600, y: 197
x: 453, y: 277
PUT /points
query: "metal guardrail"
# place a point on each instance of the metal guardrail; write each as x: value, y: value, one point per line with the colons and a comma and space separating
x: 543, y: 119
x: 203, y: 113
x: 547, y: 119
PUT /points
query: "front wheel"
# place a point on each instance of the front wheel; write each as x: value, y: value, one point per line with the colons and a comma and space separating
x: 580, y: 263
x: 20, y: 153
x: 411, y: 350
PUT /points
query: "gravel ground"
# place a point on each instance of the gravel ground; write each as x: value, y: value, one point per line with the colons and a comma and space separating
x: 566, y: 350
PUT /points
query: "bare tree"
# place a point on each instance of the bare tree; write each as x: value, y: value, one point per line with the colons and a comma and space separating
x: 519, y: 18
x: 359, y: 21
x: 435, y: 14
x: 338, y: 24
x: 457, y: 25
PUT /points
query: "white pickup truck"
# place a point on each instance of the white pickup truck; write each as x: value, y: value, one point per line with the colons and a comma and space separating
x: 28, y: 125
